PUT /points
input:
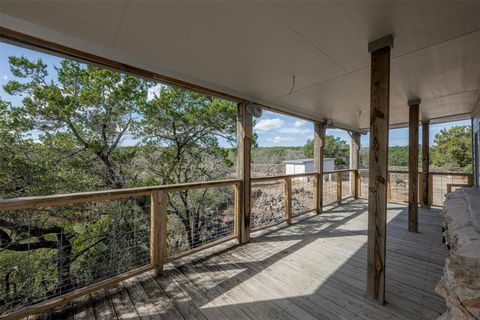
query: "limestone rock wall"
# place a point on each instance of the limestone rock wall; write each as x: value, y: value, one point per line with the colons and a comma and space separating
x: 460, y: 284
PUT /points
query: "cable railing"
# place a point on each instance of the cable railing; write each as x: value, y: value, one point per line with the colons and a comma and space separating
x: 54, y: 249
x: 440, y: 183
x: 57, y: 248
x: 279, y: 198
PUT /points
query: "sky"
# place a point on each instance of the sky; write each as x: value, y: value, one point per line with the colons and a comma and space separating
x: 273, y: 129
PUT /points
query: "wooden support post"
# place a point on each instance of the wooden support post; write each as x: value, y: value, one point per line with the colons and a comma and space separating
x: 244, y: 149
x: 318, y: 149
x: 158, y: 236
x: 378, y: 166
x: 414, y: 106
x: 355, y: 161
x: 338, y: 177
x: 288, y: 200
x: 425, y: 163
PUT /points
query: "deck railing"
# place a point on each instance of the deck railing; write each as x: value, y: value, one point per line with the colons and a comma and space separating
x: 74, y: 244
x: 123, y: 233
x: 440, y: 183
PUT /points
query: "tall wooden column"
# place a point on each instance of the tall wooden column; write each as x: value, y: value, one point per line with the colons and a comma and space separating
x: 318, y: 149
x: 413, y: 113
x: 244, y: 150
x: 425, y: 162
x: 378, y: 166
x: 355, y: 161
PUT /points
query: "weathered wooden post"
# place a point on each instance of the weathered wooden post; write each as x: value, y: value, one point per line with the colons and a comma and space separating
x: 378, y: 166
x: 414, y: 117
x: 425, y: 163
x: 338, y: 177
x: 355, y: 162
x: 244, y: 150
x: 158, y: 229
x: 288, y: 200
x: 318, y: 149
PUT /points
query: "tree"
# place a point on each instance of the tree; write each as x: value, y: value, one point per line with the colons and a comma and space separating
x: 67, y: 135
x: 187, y: 126
x: 398, y: 156
x: 88, y: 109
x: 335, y: 147
x: 452, y: 148
x: 80, y: 118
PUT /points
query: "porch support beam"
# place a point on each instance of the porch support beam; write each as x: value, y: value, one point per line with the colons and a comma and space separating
x: 425, y: 163
x: 355, y: 161
x: 244, y: 146
x: 414, y: 106
x: 318, y: 150
x: 378, y: 166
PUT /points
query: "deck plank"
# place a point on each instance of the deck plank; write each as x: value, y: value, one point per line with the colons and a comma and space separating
x: 314, y: 269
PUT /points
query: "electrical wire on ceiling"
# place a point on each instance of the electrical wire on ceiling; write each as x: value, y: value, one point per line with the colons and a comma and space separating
x: 293, y: 85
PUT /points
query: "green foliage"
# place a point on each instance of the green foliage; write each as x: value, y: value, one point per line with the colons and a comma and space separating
x: 186, y: 125
x: 398, y: 156
x: 335, y: 147
x: 66, y: 136
x: 453, y: 148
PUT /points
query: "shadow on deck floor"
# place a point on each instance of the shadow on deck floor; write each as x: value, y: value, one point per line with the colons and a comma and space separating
x: 314, y: 269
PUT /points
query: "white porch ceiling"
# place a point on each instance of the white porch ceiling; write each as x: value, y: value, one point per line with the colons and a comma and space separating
x: 252, y: 49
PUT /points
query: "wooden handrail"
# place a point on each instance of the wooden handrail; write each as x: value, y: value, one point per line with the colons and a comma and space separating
x: 158, y: 239
x: 283, y: 176
x: 75, y: 198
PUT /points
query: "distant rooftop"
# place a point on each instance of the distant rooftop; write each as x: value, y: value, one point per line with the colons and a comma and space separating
x: 300, y: 161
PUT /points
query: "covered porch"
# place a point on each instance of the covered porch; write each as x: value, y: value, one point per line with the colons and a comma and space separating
x: 359, y: 246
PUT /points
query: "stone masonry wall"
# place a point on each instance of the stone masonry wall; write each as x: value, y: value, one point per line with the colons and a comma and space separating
x: 460, y: 284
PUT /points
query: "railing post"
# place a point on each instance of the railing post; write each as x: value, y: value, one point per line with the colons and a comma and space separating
x: 470, y: 180
x: 238, y: 211
x: 430, y: 189
x: 288, y: 200
x: 356, y: 183
x: 316, y: 200
x: 158, y: 236
x: 389, y: 187
x: 339, y: 187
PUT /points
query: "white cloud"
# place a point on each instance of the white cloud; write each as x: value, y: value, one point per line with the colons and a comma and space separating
x: 299, y: 123
x: 278, y: 140
x: 269, y: 124
x: 5, y: 77
x: 296, y: 131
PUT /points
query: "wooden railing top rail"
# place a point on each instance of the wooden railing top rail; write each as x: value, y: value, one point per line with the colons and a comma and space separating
x: 460, y: 174
x: 81, y: 197
x: 297, y: 175
x: 283, y: 176
x: 338, y: 171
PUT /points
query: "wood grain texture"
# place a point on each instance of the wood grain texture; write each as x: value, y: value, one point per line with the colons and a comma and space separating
x: 355, y: 160
x: 378, y: 166
x: 413, y: 167
x: 310, y: 270
x: 288, y: 200
x: 244, y: 159
x: 339, y: 187
x: 425, y: 162
x: 318, y: 155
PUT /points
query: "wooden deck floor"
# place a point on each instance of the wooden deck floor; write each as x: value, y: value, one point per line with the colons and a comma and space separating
x: 314, y: 269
